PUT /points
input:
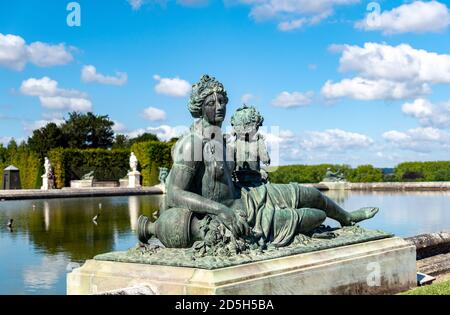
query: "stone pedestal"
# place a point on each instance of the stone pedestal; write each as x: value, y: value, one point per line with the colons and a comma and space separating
x: 47, y: 183
x: 378, y: 267
x: 134, y: 179
x: 123, y: 183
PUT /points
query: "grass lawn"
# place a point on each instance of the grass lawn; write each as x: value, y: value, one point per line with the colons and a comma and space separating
x: 442, y: 288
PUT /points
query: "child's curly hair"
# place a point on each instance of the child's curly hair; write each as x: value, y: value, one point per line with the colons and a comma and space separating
x: 245, y: 116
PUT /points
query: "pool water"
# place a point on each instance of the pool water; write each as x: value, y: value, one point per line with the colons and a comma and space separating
x: 51, y: 237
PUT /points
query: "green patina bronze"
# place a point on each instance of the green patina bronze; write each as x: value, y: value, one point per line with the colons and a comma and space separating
x: 331, y: 176
x: 216, y: 217
x: 249, y: 148
x: 211, y: 257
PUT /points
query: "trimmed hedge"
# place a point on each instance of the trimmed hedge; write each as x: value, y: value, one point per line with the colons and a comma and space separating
x: 365, y: 174
x: 72, y: 164
x: 304, y: 173
x: 404, y: 172
x: 315, y: 173
x: 423, y: 171
x: 28, y: 164
x: 152, y: 155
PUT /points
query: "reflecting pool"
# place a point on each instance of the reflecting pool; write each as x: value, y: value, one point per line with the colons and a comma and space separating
x: 51, y: 237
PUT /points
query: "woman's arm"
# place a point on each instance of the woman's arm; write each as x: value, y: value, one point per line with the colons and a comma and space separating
x: 179, y: 194
x: 179, y: 186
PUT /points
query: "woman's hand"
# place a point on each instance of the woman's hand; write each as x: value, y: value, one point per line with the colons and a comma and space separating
x: 234, y: 222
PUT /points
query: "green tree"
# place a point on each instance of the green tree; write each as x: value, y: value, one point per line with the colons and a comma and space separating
x: 366, y: 174
x: 121, y: 142
x: 145, y: 137
x: 45, y: 139
x: 86, y: 131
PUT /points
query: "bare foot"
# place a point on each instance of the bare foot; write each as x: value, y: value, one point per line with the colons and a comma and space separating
x: 363, y: 214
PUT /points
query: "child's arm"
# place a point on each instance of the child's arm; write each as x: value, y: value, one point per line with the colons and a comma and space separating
x: 262, y: 151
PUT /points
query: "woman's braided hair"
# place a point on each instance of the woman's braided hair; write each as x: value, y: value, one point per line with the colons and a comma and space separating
x: 201, y: 90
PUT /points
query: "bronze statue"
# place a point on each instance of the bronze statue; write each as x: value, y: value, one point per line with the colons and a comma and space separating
x: 249, y: 148
x: 203, y: 201
x: 331, y: 176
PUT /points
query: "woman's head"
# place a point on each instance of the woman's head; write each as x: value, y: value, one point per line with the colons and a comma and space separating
x: 208, y: 100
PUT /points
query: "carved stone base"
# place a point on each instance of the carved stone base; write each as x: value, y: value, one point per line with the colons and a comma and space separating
x: 378, y: 267
x: 83, y: 183
x: 47, y: 183
x: 134, y: 179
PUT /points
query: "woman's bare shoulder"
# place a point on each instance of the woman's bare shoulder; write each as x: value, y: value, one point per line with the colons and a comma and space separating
x: 188, y: 148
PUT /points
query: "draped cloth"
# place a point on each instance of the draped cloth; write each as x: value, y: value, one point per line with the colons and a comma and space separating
x: 274, y: 210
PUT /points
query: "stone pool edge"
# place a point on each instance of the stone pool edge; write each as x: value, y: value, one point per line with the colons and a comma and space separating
x: 25, y: 194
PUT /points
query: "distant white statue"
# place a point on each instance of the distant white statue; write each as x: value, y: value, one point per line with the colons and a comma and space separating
x: 133, y: 162
x: 47, y: 166
x: 48, y: 179
x: 134, y: 177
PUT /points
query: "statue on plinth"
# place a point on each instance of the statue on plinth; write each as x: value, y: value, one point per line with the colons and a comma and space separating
x: 48, y: 178
x: 134, y: 176
x: 88, y: 176
x: 206, y: 209
x: 133, y: 162
x: 331, y: 176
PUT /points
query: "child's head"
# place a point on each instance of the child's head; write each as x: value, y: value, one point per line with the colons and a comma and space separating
x: 246, y: 119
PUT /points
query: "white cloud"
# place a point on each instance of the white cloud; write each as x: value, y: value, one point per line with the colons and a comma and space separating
x: 31, y: 126
x: 175, y: 87
x: 15, y: 53
x: 365, y: 89
x: 416, y: 17
x: 396, y: 63
x: 429, y: 114
x: 119, y: 127
x: 136, y: 4
x: 248, y: 97
x: 292, y: 14
x: 335, y: 140
x: 418, y: 139
x: 45, y: 55
x: 387, y: 72
x: 89, y: 74
x: 316, y: 146
x: 52, y: 97
x: 163, y: 132
x: 294, y: 99
x: 5, y: 140
x: 291, y: 25
x: 153, y: 114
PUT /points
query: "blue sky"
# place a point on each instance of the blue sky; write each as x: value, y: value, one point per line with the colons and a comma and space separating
x: 342, y: 86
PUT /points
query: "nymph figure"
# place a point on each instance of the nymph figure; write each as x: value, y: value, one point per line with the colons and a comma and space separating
x: 200, y: 184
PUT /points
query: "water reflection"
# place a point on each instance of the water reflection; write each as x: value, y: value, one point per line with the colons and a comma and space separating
x: 51, y: 237
x: 46, y: 215
x: 133, y: 206
x: 405, y: 213
x: 45, y: 274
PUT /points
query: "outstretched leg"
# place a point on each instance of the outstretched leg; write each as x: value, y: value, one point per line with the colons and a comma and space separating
x: 310, y: 197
